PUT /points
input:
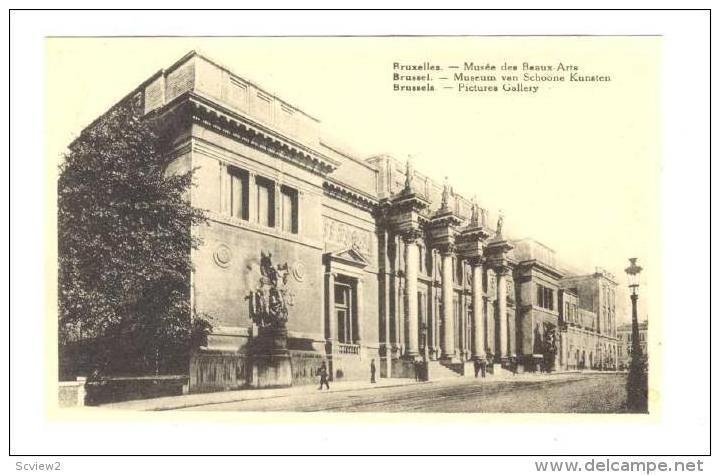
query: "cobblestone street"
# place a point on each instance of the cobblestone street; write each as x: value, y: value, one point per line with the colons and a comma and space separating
x: 585, y: 393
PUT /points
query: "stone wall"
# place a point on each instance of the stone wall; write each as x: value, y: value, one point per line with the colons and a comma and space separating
x: 71, y: 393
x: 218, y: 371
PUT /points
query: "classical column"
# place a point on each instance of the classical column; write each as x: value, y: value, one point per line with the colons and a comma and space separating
x: 224, y: 186
x: 252, y: 198
x: 502, y: 311
x: 298, y: 212
x: 411, y: 303
x: 384, y: 301
x: 395, y: 311
x: 478, y: 347
x: 331, y: 329
x: 359, y: 311
x: 277, y: 204
x: 462, y: 317
x: 448, y: 341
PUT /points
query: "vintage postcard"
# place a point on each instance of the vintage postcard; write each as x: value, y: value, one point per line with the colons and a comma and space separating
x: 356, y: 224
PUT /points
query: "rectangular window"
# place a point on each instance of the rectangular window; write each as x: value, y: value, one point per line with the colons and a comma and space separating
x: 265, y: 190
x: 289, y: 210
x: 550, y: 299
x: 345, y: 310
x: 545, y: 297
x: 238, y: 193
x: 567, y: 311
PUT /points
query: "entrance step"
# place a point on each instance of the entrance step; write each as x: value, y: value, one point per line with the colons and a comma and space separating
x: 496, y: 370
x: 437, y: 370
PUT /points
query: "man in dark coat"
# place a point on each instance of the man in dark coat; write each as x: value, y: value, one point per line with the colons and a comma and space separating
x: 372, y: 370
x: 323, y: 372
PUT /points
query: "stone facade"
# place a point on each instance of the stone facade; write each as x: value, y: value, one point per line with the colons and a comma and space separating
x: 591, y: 331
x: 384, y: 262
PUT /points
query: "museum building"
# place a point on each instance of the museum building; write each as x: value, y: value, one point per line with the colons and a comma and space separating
x: 383, y: 263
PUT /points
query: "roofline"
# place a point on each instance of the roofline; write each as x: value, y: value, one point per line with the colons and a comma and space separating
x: 193, y: 53
x: 592, y: 274
x: 548, y: 269
x: 337, y: 150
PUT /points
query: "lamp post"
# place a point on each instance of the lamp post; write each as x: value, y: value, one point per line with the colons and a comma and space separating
x: 633, y: 273
x: 637, y: 377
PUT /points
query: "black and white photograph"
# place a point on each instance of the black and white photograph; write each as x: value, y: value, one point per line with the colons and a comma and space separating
x: 293, y: 233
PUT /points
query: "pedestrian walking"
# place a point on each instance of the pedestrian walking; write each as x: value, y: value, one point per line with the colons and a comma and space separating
x: 323, y: 372
x: 514, y: 365
x: 416, y: 367
x: 476, y: 364
x: 372, y: 370
x: 483, y: 364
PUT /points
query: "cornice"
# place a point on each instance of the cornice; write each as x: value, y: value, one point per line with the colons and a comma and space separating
x: 546, y: 269
x: 207, y: 112
x: 348, y: 195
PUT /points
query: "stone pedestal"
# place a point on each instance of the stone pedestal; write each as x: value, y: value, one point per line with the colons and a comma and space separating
x: 271, y: 365
x: 537, y: 361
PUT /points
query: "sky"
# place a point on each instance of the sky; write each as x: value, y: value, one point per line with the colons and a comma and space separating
x: 576, y: 167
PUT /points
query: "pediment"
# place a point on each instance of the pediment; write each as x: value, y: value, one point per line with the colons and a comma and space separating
x: 351, y: 256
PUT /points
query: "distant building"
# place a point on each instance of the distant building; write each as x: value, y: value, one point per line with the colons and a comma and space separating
x: 579, y: 308
x: 624, y: 332
x: 589, y: 321
x: 383, y: 261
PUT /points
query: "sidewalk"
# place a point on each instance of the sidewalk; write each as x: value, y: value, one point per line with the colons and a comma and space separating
x: 201, y: 399
x: 239, y: 395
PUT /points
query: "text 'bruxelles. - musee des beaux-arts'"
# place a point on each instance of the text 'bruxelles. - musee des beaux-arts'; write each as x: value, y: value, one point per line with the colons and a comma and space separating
x: 479, y: 77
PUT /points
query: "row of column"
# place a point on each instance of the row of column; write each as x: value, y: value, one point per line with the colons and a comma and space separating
x: 447, y: 292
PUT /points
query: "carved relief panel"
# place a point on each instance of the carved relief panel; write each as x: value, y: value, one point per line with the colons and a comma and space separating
x: 339, y: 235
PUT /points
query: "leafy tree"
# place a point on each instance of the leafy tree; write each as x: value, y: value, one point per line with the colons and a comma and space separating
x: 124, y: 243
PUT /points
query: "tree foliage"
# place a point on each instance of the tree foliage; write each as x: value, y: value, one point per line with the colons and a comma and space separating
x: 124, y: 242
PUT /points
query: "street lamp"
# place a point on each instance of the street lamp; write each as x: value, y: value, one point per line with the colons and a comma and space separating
x: 633, y: 273
x: 637, y: 389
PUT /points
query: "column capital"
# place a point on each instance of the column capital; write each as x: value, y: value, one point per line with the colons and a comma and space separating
x: 412, y: 236
x: 447, y: 248
x: 476, y: 261
x: 501, y: 269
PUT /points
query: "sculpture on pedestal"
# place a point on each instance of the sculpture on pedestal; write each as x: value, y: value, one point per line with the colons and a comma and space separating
x: 409, y: 175
x: 269, y: 311
x: 446, y: 194
x: 474, y: 214
x: 268, y: 302
x: 537, y: 340
x: 499, y: 227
